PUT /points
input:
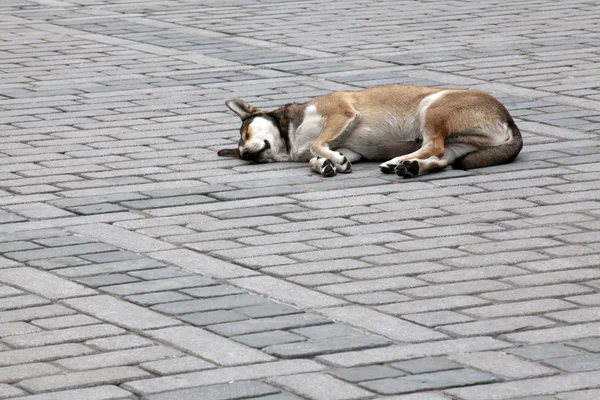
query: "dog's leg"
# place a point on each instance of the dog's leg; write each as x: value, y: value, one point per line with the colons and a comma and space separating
x: 434, y: 134
x: 336, y: 127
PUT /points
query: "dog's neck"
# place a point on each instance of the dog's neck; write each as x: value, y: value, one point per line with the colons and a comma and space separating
x: 288, y: 117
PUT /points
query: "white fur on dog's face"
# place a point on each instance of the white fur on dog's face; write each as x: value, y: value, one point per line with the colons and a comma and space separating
x: 262, y: 141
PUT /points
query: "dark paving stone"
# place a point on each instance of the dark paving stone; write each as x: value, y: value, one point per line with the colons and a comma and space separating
x: 312, y: 348
x: 544, y: 351
x: 424, y: 365
x: 368, y: 373
x: 271, y: 338
x: 228, y: 391
x: 431, y: 381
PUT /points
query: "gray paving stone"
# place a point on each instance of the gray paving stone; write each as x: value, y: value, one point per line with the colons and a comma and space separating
x: 426, y: 365
x: 43, y: 283
x: 84, y: 378
x: 45, y: 338
x: 544, y: 351
x: 39, y: 254
x: 212, y: 317
x: 158, y: 285
x: 580, y: 363
x: 311, y: 348
x: 213, y: 291
x: 503, y: 365
x: 103, y: 392
x: 121, y: 342
x: 592, y: 345
x: 130, y: 316
x: 495, y: 326
x: 219, y: 392
x: 27, y: 314
x: 43, y: 353
x: 320, y: 387
x: 267, y: 324
x: 222, y: 375
x: 150, y: 299
x: 8, y: 391
x: 271, y: 309
x: 159, y: 273
x: 121, y: 238
x: 118, y: 358
x: 264, y: 339
x: 19, y: 372
x: 434, y: 380
x: 437, y: 318
x: 16, y: 302
x: 210, y: 346
x: 176, y: 365
x: 528, y: 387
x: 382, y: 324
x: 556, y: 334
x: 216, y: 303
x: 104, y: 280
x: 361, y: 374
x: 65, y: 322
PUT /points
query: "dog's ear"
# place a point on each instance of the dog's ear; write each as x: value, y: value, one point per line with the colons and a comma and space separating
x: 229, y: 153
x: 240, y: 107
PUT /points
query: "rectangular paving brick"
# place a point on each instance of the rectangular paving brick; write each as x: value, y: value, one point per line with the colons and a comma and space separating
x: 223, y: 391
x: 556, y: 334
x: 496, y: 326
x: 429, y: 381
x: 117, y: 358
x: 158, y: 285
x: 121, y: 237
x: 43, y: 283
x: 208, y: 266
x: 45, y: 338
x: 528, y: 387
x: 444, y: 303
x: 410, y: 351
x: 210, y: 346
x: 84, y: 378
x: 503, y: 365
x: 287, y: 292
x: 102, y: 392
x: 320, y: 386
x: 382, y: 324
x: 39, y: 254
x: 223, y: 375
x: 129, y: 316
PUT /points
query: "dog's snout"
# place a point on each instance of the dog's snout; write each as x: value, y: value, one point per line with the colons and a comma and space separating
x: 246, y: 155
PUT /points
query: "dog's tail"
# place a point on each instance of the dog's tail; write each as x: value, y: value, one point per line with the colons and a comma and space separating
x: 494, y: 155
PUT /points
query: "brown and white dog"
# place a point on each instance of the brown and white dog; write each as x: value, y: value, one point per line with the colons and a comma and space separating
x: 416, y: 129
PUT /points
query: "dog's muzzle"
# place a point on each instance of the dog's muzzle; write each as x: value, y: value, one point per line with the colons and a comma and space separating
x: 250, y: 155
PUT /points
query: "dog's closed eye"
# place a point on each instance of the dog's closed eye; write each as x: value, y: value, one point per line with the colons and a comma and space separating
x: 229, y: 153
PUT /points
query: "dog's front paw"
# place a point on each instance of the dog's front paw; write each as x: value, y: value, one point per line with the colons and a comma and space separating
x: 328, y: 169
x: 408, y: 169
x: 387, y: 168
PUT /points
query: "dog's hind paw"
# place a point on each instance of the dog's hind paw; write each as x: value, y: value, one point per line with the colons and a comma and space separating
x: 345, y: 166
x: 408, y: 169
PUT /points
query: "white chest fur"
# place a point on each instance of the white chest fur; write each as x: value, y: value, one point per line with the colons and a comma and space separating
x: 305, y: 135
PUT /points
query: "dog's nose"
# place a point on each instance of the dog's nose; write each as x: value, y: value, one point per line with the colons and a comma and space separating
x: 246, y: 155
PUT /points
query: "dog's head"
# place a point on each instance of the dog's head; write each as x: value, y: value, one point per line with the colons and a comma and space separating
x: 260, y: 135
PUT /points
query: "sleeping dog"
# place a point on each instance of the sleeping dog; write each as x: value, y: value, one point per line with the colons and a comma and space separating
x: 414, y: 129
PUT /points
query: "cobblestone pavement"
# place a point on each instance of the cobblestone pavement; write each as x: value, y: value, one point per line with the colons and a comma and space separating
x: 136, y: 264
